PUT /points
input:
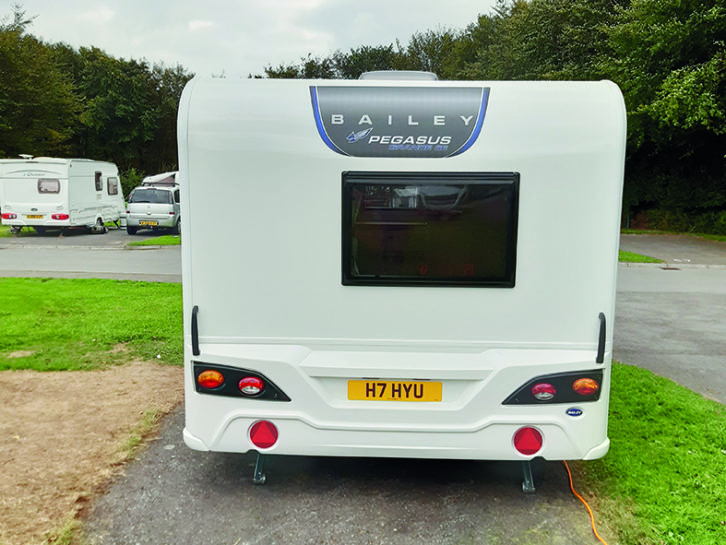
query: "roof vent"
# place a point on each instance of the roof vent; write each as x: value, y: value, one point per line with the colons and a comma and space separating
x: 400, y: 75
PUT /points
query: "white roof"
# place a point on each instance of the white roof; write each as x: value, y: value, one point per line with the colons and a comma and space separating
x: 156, y: 178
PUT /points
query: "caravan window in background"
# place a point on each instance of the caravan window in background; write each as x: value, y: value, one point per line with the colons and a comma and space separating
x: 430, y: 229
x: 99, y: 182
x: 48, y: 185
x: 113, y: 186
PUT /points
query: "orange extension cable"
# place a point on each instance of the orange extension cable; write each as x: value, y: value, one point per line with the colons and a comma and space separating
x: 592, y: 518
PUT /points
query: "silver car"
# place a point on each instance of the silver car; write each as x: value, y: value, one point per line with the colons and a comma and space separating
x: 154, y: 208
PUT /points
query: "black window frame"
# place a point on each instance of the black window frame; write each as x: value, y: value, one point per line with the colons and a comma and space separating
x: 351, y: 178
x: 98, y: 180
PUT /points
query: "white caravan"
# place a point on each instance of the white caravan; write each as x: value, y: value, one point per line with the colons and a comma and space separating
x: 46, y: 193
x: 165, y: 179
x: 403, y: 267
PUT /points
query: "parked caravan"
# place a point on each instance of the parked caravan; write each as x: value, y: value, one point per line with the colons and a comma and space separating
x: 46, y: 193
x: 165, y: 179
x: 409, y: 268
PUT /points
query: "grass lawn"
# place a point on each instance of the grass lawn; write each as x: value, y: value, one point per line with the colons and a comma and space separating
x: 58, y: 324
x: 5, y: 232
x: 718, y: 238
x: 166, y: 240
x: 630, y: 257
x: 664, y: 480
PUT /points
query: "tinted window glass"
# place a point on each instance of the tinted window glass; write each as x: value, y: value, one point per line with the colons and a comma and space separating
x: 150, y: 195
x: 430, y: 229
x: 99, y: 182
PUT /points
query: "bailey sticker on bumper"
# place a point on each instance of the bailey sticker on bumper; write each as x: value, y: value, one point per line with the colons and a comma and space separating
x: 399, y: 121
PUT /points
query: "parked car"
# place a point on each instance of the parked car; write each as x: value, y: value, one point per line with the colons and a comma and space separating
x: 153, y: 207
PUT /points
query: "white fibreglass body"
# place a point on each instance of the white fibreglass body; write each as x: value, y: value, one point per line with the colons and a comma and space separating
x: 262, y: 261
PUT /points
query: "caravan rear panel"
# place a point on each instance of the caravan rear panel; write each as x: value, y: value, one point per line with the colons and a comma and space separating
x: 400, y: 268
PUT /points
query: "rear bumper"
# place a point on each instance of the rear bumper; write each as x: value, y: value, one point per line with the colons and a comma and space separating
x: 47, y: 223
x: 492, y: 442
x: 470, y: 422
x: 165, y: 221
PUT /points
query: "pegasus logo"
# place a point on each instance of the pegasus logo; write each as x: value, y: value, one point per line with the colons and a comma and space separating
x: 354, y: 136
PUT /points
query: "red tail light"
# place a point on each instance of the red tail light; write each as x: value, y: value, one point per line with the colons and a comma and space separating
x: 528, y: 441
x: 251, y: 386
x: 60, y: 216
x: 586, y: 386
x: 544, y: 391
x: 263, y: 434
x: 9, y: 216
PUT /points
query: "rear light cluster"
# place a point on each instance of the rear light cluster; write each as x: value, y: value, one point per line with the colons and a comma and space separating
x: 234, y: 382
x: 559, y: 388
x: 9, y: 216
x: 60, y: 216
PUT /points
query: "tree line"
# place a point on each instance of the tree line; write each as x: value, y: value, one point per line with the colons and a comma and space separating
x: 667, y: 56
x: 61, y: 102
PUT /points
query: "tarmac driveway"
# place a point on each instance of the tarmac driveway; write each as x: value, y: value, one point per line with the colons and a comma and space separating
x: 670, y: 317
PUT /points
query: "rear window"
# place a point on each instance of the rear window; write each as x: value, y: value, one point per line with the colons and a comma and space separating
x: 150, y: 195
x: 432, y: 229
x: 48, y: 185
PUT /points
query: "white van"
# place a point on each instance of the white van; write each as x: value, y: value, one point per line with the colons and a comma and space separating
x: 414, y: 268
x: 46, y: 193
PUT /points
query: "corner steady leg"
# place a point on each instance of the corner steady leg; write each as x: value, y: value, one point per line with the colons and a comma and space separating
x: 528, y: 483
x: 259, y: 476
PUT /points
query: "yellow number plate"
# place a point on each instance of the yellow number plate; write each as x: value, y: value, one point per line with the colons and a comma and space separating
x: 385, y: 390
x: 34, y: 216
x: 146, y: 222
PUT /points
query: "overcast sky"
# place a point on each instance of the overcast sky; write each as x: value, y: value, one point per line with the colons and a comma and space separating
x: 237, y: 37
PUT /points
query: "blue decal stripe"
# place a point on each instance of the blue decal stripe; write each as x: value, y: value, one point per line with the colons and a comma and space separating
x: 478, y: 126
x: 319, y: 122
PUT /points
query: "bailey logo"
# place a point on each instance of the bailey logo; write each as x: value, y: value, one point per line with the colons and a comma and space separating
x: 399, y: 121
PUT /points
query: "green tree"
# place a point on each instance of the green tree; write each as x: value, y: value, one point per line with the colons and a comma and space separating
x: 37, y: 103
x: 669, y: 57
x: 119, y: 117
x: 544, y: 39
x: 433, y: 51
x: 308, y: 68
x: 366, y: 59
x: 167, y: 85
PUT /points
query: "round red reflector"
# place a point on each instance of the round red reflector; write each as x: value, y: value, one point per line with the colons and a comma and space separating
x: 544, y: 391
x: 585, y: 386
x: 210, y: 379
x: 251, y: 386
x: 528, y: 440
x: 263, y: 434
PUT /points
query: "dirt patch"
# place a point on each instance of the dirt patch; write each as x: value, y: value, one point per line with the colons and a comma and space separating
x: 62, y: 438
x: 20, y: 354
